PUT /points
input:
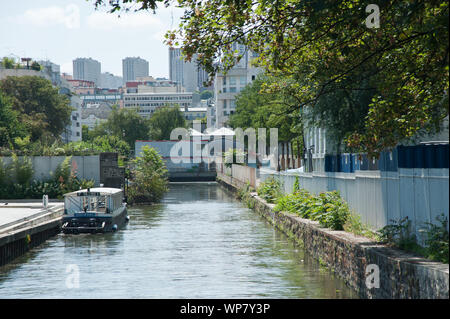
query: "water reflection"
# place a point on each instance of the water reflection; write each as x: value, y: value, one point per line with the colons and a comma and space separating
x: 198, y: 243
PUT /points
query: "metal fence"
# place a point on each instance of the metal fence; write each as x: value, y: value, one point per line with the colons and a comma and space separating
x: 381, y: 196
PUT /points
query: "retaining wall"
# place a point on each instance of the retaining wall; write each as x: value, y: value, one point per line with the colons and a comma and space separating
x: 20, y: 237
x: 401, y: 275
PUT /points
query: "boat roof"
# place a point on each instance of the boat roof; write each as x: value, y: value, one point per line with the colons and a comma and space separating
x: 102, y: 191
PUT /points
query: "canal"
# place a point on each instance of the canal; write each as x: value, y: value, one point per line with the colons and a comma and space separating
x: 199, y: 242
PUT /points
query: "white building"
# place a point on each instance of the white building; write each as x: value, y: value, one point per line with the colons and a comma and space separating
x: 147, y: 103
x: 175, y: 65
x: 227, y: 86
x: 110, y: 81
x: 87, y: 69
x: 194, y: 113
x: 95, y: 113
x: 53, y: 70
x: 72, y: 132
x: 132, y: 68
x: 188, y: 74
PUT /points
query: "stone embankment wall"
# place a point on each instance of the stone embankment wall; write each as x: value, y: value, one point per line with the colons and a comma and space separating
x: 401, y: 275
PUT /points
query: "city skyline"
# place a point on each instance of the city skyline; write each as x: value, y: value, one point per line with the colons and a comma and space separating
x: 65, y: 30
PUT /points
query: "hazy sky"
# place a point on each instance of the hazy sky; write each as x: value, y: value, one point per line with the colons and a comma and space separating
x: 62, y: 30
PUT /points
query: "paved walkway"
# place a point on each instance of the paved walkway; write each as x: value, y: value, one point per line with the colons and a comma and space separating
x: 16, y: 212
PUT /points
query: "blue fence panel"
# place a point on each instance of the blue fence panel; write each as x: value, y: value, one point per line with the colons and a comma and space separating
x: 442, y: 156
x: 356, y: 162
x: 373, y: 164
x: 423, y: 156
x: 346, y: 163
x: 406, y: 158
x: 419, y: 156
x: 388, y: 160
x: 364, y: 163
x: 331, y: 163
x: 429, y: 158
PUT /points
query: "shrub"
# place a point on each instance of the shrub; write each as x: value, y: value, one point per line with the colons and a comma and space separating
x: 436, y: 241
x: 296, y: 185
x: 244, y: 195
x: 355, y: 226
x: 23, y: 170
x: 233, y: 156
x: 5, y: 174
x: 329, y: 209
x: 149, y: 182
x: 270, y: 190
x: 399, y: 234
x: 15, y: 181
x: 63, y: 170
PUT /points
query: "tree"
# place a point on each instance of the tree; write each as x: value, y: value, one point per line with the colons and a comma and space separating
x: 43, y: 111
x: 35, y: 66
x: 257, y: 109
x: 85, y: 133
x: 164, y: 120
x: 331, y: 47
x: 206, y: 94
x: 8, y: 63
x: 149, y: 181
x: 111, y: 143
x: 126, y: 124
x: 10, y: 126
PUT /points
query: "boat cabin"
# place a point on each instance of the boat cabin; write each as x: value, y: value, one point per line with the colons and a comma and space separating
x: 99, y: 200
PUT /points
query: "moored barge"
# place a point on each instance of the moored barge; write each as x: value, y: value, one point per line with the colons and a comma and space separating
x: 94, y: 210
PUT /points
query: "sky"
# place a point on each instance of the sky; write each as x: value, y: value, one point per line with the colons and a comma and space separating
x: 63, y: 30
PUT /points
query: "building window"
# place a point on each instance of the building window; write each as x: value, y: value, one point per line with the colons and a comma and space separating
x: 78, y: 133
x: 224, y: 81
x: 253, y: 77
x: 243, y: 80
x: 232, y: 80
x: 232, y: 89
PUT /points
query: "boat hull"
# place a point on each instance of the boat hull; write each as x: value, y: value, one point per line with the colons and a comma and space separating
x: 80, y: 223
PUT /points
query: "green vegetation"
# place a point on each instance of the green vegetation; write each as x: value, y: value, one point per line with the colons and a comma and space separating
x: 328, y: 208
x: 11, y: 128
x: 270, y: 190
x: 16, y: 180
x: 243, y: 194
x: 149, y: 178
x: 257, y: 108
x: 7, y: 63
x: 41, y: 110
x: 355, y: 226
x: 436, y: 241
x: 206, y: 94
x: 385, y: 83
x: 123, y: 124
x: 233, y: 156
x: 164, y: 120
x: 400, y: 235
x: 10, y: 63
x: 106, y: 143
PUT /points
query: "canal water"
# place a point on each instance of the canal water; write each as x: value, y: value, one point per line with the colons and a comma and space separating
x: 199, y: 242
